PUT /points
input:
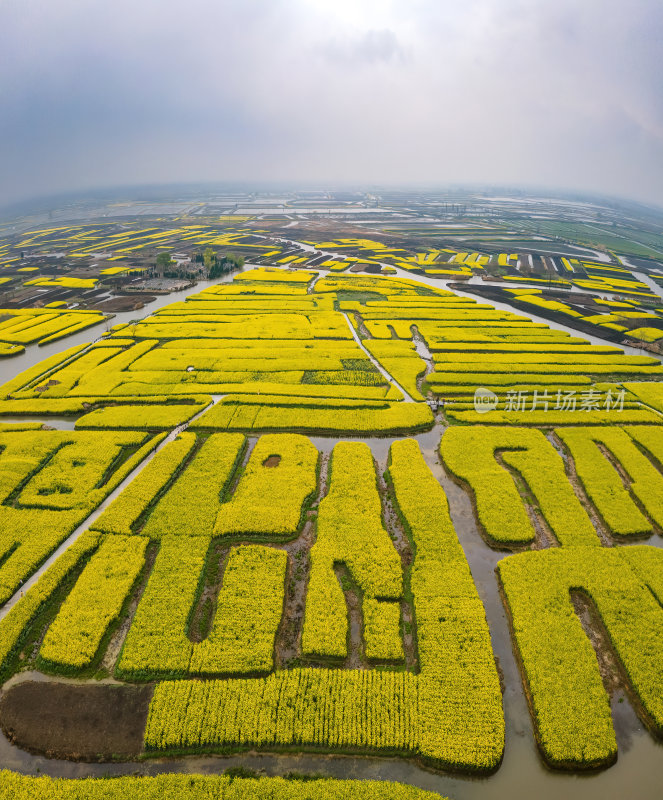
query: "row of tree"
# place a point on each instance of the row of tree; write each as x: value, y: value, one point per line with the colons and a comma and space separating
x: 214, y: 263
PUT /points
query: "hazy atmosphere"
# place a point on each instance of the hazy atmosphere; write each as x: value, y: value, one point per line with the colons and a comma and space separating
x: 535, y: 92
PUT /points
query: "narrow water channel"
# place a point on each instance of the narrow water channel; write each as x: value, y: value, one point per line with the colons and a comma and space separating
x: 9, y: 367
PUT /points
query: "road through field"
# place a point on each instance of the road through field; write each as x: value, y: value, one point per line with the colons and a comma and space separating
x: 87, y: 523
x: 376, y: 363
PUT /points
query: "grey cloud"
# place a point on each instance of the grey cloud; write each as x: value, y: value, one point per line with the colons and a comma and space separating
x: 371, y: 47
x: 503, y: 91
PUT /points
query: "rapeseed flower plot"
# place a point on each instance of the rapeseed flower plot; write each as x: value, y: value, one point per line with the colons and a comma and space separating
x: 647, y: 333
x: 474, y: 454
x: 375, y: 710
x: 95, y: 603
x: 125, y: 511
x: 203, y: 787
x: 68, y: 283
x: 43, y: 325
x: 556, y: 418
x: 15, y: 626
x: 50, y: 482
x: 270, y: 498
x: 350, y: 532
x: 593, y: 449
x: 141, y: 417
x: 191, y: 505
x: 248, y: 613
x: 569, y: 705
x: 394, y: 418
x: 460, y: 702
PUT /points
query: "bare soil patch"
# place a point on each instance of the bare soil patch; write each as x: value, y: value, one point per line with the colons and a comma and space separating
x: 79, y: 722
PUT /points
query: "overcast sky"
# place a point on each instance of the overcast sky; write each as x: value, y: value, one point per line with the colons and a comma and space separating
x: 560, y: 93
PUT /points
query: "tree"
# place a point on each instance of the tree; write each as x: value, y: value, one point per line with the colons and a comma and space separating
x: 209, y: 258
x: 226, y: 264
x: 164, y: 261
x: 217, y: 269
